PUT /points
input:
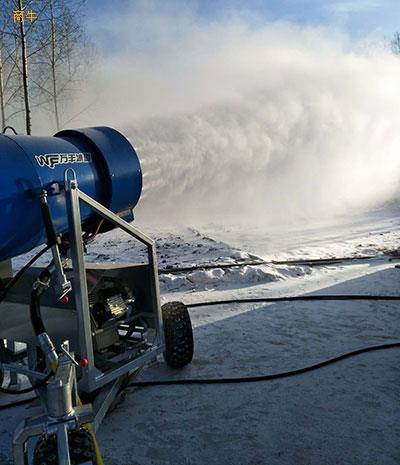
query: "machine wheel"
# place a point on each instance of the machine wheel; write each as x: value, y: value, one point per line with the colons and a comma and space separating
x: 178, y: 334
x: 81, y: 449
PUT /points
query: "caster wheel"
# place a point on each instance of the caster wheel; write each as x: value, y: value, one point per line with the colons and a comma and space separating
x: 81, y: 449
x: 178, y: 334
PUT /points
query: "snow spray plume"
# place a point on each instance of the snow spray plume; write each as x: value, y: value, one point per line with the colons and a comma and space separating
x: 241, y: 121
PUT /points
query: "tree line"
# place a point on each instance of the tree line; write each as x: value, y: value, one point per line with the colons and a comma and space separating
x: 395, y: 43
x: 44, y: 58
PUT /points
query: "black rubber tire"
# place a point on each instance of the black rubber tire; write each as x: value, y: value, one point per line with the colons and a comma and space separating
x: 178, y: 334
x: 81, y: 449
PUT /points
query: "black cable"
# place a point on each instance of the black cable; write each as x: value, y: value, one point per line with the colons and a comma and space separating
x: 29, y: 389
x: 257, y: 262
x: 34, y: 307
x: 35, y: 316
x: 295, y: 298
x: 44, y: 278
x: 16, y: 403
x: 274, y: 376
x: 20, y: 273
x: 34, y: 310
x: 48, y: 224
x: 12, y: 129
x: 38, y: 327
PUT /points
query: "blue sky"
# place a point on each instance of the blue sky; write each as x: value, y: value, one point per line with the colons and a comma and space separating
x: 356, y: 17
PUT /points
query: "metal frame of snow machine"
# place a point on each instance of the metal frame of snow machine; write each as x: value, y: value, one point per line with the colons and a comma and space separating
x: 75, y: 357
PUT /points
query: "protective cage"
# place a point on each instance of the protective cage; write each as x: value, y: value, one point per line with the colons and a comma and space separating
x: 142, y: 329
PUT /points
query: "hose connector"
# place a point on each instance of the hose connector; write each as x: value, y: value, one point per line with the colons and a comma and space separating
x: 49, y: 350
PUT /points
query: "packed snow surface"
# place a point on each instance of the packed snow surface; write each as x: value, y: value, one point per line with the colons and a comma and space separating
x: 373, y: 235
x: 346, y: 413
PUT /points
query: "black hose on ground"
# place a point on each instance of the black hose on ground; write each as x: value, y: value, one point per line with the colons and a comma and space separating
x: 285, y: 374
x: 259, y: 262
x: 295, y: 298
x: 271, y: 377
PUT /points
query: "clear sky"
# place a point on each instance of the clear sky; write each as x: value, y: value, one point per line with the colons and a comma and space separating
x: 356, y: 17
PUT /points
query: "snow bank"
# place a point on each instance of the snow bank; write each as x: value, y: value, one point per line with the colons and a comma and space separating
x: 231, y: 278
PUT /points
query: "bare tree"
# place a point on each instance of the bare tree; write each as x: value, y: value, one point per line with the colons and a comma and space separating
x: 15, y: 83
x: 2, y: 90
x: 25, y: 81
x: 43, y: 60
x: 395, y: 43
x: 63, y: 53
x: 6, y: 68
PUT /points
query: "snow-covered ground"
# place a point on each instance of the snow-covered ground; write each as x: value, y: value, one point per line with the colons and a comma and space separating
x: 345, y: 414
x: 374, y: 235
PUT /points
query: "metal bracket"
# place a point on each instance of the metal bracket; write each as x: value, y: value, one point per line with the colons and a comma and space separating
x: 91, y: 378
x: 61, y: 415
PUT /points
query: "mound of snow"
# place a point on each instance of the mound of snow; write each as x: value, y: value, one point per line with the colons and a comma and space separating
x: 219, y: 278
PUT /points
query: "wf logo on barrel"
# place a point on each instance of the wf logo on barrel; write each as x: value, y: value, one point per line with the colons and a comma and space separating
x: 51, y: 160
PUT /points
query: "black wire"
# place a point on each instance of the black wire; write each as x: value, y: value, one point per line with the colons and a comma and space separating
x: 16, y: 403
x: 295, y: 298
x: 12, y: 129
x: 36, y: 318
x: 12, y: 283
x: 34, y: 307
x: 258, y: 262
x: 29, y: 389
x: 7, y: 289
x: 274, y: 376
x: 35, y: 314
x: 38, y: 327
x: 20, y: 273
x: 48, y: 224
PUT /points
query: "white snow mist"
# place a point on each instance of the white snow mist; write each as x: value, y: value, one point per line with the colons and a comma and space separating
x: 238, y: 120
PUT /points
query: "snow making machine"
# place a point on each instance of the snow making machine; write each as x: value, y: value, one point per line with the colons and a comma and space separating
x: 75, y: 332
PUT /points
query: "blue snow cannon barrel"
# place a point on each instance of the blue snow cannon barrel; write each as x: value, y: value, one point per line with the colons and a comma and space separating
x: 107, y: 169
